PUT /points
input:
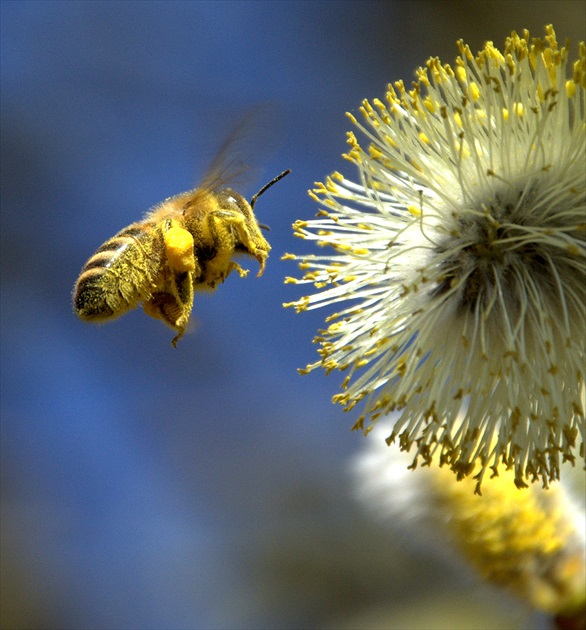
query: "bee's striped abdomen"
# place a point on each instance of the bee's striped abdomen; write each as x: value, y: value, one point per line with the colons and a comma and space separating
x: 120, y: 274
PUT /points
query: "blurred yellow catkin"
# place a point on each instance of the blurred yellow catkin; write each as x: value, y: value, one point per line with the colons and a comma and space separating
x: 528, y: 541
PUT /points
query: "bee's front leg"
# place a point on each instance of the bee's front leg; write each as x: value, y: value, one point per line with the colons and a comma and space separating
x: 234, y: 266
x: 222, y: 223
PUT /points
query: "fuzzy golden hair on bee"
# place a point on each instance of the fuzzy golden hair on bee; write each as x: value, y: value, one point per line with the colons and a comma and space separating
x: 183, y: 245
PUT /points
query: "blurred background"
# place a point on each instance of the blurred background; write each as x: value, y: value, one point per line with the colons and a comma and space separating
x: 206, y: 486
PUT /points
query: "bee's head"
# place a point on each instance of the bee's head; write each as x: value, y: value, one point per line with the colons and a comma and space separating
x: 249, y: 238
x: 232, y: 201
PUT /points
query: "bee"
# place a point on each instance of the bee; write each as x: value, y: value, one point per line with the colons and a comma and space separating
x: 183, y: 245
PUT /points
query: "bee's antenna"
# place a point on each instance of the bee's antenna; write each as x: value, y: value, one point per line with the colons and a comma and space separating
x: 266, y: 186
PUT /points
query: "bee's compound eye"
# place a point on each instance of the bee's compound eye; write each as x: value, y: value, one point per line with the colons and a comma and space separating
x: 230, y: 200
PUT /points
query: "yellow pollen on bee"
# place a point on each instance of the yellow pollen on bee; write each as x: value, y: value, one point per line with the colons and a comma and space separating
x: 179, y: 248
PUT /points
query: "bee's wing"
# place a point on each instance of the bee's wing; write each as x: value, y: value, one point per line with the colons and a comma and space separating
x: 250, y: 136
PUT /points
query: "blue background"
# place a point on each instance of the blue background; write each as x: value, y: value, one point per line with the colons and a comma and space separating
x: 207, y: 486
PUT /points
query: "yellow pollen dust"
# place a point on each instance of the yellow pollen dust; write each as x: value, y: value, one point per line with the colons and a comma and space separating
x: 179, y: 248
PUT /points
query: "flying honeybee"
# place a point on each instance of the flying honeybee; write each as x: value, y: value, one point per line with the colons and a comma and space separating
x: 184, y: 244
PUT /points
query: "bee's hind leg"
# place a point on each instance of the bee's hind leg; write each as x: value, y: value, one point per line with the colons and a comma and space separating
x: 174, y: 304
